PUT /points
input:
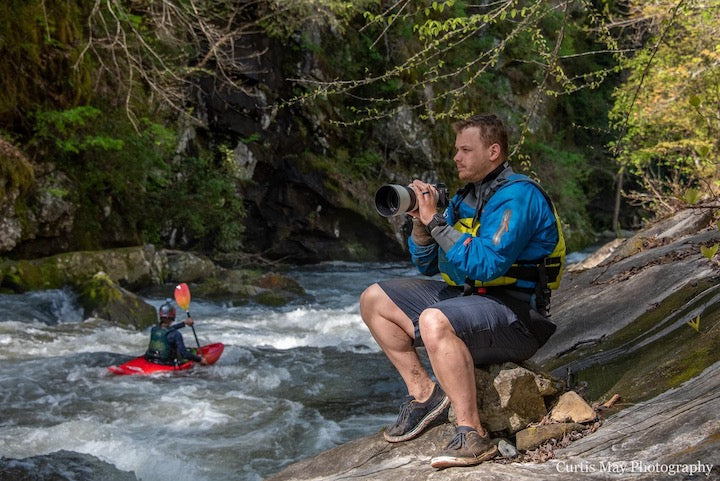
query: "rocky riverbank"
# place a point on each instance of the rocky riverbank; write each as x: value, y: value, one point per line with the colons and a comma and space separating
x: 110, y: 283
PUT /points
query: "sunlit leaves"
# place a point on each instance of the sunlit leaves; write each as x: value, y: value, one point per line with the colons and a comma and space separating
x: 666, y: 111
x: 709, y: 251
x: 458, y: 46
x: 695, y: 323
x: 692, y: 196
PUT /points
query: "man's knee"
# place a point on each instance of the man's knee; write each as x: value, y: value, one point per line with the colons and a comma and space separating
x: 371, y: 301
x: 433, y: 326
x: 369, y: 296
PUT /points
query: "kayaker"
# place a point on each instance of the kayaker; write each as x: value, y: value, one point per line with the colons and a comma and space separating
x: 166, y: 342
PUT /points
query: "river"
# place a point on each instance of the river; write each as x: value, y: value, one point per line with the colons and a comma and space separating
x: 292, y: 382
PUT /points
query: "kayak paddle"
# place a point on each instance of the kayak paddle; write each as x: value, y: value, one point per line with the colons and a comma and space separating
x: 182, y: 297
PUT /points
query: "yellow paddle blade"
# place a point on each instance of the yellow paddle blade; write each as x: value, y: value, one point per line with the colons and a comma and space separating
x: 182, y: 296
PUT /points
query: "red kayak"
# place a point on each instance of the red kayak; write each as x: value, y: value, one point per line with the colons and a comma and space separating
x: 140, y: 365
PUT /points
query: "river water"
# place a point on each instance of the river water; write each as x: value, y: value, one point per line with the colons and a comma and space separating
x: 292, y: 382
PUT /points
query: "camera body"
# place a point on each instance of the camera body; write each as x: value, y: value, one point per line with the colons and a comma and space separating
x: 391, y: 199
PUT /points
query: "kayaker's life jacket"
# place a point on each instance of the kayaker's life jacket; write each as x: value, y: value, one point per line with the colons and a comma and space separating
x: 159, y: 349
x: 545, y: 273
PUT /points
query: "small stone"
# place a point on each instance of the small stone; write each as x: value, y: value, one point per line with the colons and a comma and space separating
x: 532, y: 437
x: 571, y: 407
x: 507, y: 449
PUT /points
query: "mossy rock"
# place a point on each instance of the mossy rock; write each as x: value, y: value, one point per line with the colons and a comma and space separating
x: 25, y: 275
x: 240, y: 286
x: 134, y: 267
x: 101, y: 297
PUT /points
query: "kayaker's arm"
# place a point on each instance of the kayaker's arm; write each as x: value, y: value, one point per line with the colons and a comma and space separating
x: 174, y: 337
x: 177, y: 325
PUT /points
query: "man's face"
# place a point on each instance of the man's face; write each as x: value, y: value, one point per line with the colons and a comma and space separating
x: 474, y: 159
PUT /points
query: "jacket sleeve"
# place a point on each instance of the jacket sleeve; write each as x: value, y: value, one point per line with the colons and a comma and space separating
x: 508, y: 222
x: 174, y: 337
x: 425, y: 258
x: 177, y: 325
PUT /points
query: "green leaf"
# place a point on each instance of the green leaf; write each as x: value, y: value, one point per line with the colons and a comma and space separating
x: 709, y: 252
x: 692, y: 196
x: 695, y: 323
x: 695, y: 101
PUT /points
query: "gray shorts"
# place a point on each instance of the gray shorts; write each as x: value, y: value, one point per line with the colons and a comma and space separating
x: 491, y: 331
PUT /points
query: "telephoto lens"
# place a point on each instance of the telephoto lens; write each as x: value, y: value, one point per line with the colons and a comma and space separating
x: 393, y: 199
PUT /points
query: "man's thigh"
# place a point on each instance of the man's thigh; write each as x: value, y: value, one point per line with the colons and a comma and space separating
x: 490, y: 329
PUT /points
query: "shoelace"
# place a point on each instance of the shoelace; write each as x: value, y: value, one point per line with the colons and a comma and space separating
x: 405, y: 410
x: 457, y: 442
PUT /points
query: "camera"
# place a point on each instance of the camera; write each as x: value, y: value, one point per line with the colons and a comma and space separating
x: 391, y: 199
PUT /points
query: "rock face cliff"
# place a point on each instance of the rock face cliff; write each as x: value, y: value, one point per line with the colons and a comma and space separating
x: 640, y: 320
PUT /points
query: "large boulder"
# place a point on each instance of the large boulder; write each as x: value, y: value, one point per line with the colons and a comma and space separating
x: 131, y: 267
x: 100, y: 297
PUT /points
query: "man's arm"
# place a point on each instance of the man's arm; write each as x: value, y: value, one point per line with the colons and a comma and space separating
x: 174, y: 337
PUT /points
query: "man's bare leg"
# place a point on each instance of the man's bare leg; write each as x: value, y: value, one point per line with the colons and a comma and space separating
x: 394, y: 333
x: 453, y: 366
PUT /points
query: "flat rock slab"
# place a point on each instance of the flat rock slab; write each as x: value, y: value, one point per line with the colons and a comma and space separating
x: 678, y: 430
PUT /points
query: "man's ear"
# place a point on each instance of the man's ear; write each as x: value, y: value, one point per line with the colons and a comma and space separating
x: 495, y: 151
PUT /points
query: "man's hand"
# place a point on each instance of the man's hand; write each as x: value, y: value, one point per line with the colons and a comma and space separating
x: 427, y: 199
x: 203, y: 361
x: 189, y: 321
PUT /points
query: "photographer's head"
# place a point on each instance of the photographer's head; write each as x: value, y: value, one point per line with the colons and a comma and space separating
x: 481, y: 144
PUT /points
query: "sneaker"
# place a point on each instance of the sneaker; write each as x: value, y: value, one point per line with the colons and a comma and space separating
x: 415, y: 416
x: 467, y: 448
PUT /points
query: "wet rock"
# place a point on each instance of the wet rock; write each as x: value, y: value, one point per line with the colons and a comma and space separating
x: 188, y: 267
x: 62, y: 465
x: 16, y: 174
x: 102, y: 298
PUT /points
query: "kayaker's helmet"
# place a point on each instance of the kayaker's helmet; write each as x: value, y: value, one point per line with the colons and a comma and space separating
x: 166, y: 312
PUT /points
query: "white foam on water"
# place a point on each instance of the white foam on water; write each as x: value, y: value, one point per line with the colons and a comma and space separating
x: 301, y: 327
x: 21, y: 340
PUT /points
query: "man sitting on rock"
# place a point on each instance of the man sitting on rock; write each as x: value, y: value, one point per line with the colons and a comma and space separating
x: 500, y: 250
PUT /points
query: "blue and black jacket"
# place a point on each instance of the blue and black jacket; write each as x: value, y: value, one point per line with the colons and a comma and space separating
x: 503, y: 231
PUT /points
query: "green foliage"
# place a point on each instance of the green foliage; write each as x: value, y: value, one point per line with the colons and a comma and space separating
x: 282, y: 19
x: 692, y: 196
x: 110, y: 165
x: 709, y: 251
x: 205, y: 206
x: 71, y: 131
x: 530, y: 36
x: 666, y: 111
x: 563, y: 175
x: 39, y: 44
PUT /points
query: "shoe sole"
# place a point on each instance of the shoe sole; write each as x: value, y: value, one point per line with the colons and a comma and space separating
x: 429, y: 417
x: 441, y: 462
